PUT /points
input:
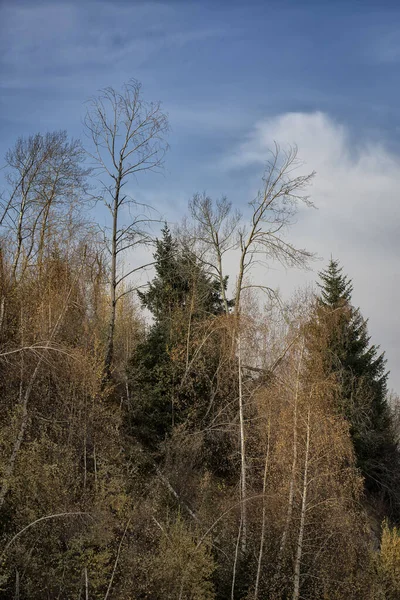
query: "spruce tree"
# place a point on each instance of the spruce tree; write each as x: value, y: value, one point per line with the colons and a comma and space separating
x: 336, y: 288
x: 178, y: 274
x: 168, y: 288
x: 180, y: 295
x: 360, y: 370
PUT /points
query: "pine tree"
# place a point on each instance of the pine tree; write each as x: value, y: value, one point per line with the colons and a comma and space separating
x: 360, y: 370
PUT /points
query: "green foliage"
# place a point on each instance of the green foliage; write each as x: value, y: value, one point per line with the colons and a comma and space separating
x: 180, y: 283
x: 335, y: 288
x: 181, y: 297
x: 359, y: 369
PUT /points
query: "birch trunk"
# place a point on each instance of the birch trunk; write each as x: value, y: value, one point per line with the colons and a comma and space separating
x: 297, y: 563
x: 263, y: 522
x: 294, y: 461
x: 243, y: 486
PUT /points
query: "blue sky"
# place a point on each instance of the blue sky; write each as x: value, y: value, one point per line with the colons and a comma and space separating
x: 233, y: 76
x: 228, y: 63
x: 218, y: 67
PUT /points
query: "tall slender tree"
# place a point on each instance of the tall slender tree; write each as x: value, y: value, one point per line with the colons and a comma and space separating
x: 259, y: 241
x: 360, y: 370
x: 127, y: 136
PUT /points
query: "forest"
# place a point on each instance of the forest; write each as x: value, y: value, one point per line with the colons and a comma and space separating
x: 171, y: 427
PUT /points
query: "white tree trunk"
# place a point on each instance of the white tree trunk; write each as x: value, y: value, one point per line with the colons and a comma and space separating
x: 243, y: 485
x: 263, y: 523
x: 297, y: 563
x: 294, y: 460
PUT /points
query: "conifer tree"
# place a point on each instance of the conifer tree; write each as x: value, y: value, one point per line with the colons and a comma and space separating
x: 360, y: 370
x: 181, y: 294
x: 336, y: 288
x: 178, y: 272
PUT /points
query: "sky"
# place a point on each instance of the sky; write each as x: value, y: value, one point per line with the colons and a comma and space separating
x: 234, y: 77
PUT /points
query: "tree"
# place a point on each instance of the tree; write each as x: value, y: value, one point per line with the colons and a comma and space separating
x: 127, y: 135
x: 310, y: 518
x: 47, y: 185
x: 180, y: 296
x: 360, y: 371
x: 261, y: 240
x: 178, y: 271
x: 215, y: 229
x: 271, y: 213
x: 336, y: 288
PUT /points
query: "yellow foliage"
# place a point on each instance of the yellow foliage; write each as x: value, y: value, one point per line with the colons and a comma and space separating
x: 182, y: 568
x: 389, y: 561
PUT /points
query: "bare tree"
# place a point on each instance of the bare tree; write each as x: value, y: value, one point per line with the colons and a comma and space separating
x: 299, y: 549
x: 261, y: 240
x: 127, y: 137
x: 272, y: 212
x: 294, y: 461
x: 263, y: 519
x: 46, y: 181
x: 26, y: 394
x: 215, y: 229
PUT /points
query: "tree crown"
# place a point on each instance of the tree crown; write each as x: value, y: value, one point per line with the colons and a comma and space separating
x: 335, y: 286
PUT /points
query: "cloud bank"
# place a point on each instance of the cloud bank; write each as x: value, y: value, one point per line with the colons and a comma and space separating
x: 356, y: 191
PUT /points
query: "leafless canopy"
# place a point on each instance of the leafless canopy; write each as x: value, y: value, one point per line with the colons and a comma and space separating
x: 275, y: 206
x: 127, y: 133
x: 46, y: 179
x: 219, y: 229
x: 215, y: 229
x: 272, y: 212
x: 127, y: 136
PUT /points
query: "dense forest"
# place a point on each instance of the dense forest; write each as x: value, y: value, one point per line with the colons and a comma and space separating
x: 168, y: 432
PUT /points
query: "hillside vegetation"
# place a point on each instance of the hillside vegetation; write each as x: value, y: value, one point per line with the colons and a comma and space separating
x: 192, y: 438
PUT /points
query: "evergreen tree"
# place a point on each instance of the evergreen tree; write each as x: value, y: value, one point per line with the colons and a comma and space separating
x: 169, y: 287
x: 360, y: 370
x: 179, y: 276
x: 180, y: 295
x: 336, y: 288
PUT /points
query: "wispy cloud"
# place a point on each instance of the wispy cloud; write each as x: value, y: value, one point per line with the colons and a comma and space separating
x: 85, y: 38
x: 385, y: 48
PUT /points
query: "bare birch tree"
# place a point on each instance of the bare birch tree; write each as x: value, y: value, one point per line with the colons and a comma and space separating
x: 260, y: 240
x: 299, y: 548
x: 263, y: 519
x: 46, y: 181
x: 127, y: 136
x: 293, y: 473
x: 271, y: 213
x: 215, y: 227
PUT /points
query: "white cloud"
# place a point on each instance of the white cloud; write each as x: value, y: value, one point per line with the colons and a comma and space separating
x: 356, y: 190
